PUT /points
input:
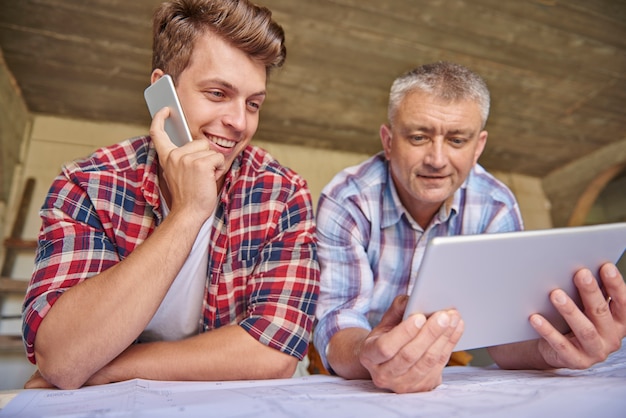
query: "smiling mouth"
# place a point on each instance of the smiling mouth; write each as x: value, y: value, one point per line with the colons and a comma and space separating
x: 221, y: 142
x: 432, y: 177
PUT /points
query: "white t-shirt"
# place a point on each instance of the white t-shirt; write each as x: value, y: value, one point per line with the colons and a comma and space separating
x: 180, y: 313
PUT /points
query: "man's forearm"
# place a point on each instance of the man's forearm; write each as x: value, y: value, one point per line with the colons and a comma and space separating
x: 343, y: 353
x: 227, y: 353
x: 94, y: 321
x: 520, y: 356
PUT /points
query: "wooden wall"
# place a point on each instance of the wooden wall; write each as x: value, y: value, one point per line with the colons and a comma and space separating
x: 14, y: 126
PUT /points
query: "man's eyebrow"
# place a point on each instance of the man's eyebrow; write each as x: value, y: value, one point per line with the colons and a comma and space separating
x: 260, y: 93
x: 417, y: 128
x: 429, y: 130
x: 466, y: 132
x: 232, y: 87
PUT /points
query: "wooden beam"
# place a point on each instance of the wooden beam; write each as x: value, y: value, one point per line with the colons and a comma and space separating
x: 11, y: 344
x: 20, y: 244
x: 8, y: 285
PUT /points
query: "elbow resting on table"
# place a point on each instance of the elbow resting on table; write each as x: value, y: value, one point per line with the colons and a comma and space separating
x: 62, y: 376
x: 283, y: 368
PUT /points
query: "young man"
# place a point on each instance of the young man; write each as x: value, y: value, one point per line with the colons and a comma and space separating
x: 374, y: 221
x: 190, y: 263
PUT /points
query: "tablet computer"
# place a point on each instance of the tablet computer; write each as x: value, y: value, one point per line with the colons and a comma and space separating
x: 496, y: 281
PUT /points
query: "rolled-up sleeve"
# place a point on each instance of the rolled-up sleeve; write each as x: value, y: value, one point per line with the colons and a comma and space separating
x: 72, y: 246
x: 284, y: 288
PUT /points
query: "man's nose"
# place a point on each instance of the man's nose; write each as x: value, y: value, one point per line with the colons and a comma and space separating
x: 235, y: 115
x: 436, y: 156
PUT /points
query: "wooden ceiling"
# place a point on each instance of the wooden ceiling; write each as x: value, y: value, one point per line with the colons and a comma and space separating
x: 556, y: 68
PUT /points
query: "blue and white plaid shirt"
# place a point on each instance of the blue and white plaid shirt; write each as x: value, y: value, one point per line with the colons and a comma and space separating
x: 370, y: 248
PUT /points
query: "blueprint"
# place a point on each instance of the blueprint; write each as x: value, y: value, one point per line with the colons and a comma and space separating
x: 465, y: 392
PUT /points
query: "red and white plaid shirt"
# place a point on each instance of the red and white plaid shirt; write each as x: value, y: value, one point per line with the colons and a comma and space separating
x: 262, y: 271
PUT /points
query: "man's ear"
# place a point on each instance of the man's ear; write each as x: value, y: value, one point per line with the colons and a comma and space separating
x: 156, y: 74
x: 385, y: 138
x: 480, y: 146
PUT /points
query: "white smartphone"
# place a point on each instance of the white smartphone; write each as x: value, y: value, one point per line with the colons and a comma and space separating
x: 160, y: 94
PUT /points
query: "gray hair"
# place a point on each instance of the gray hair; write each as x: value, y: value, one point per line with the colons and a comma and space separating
x: 446, y: 80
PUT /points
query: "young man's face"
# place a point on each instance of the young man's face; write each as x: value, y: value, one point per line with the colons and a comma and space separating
x: 431, y: 147
x: 221, y: 92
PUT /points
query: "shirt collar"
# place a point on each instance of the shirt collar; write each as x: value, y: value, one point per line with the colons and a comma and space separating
x: 150, y: 181
x: 392, y: 208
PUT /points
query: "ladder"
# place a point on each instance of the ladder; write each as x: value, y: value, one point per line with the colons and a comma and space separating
x: 14, y: 245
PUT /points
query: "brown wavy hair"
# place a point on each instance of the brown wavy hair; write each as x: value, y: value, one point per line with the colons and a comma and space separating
x: 246, y: 26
